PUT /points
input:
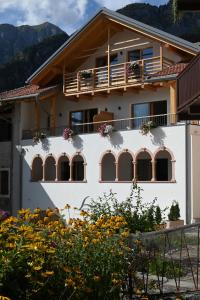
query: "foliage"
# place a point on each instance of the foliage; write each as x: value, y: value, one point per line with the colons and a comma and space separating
x: 3, y: 215
x: 38, y: 136
x: 105, y: 129
x: 174, y: 213
x: 146, y: 127
x: 139, y: 216
x: 86, y: 74
x: 68, y: 134
x: 42, y: 256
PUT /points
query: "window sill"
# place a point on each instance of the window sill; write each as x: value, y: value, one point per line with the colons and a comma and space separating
x: 172, y: 181
x: 58, y: 181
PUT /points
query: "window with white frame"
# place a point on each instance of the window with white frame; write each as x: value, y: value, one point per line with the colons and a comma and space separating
x: 4, y: 182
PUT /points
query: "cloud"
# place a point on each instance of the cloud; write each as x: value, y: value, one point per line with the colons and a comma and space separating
x: 68, y: 14
x: 116, y: 4
x: 65, y: 13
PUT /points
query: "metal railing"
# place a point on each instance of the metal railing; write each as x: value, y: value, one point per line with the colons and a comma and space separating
x: 168, y: 263
x: 117, y: 125
x: 128, y: 73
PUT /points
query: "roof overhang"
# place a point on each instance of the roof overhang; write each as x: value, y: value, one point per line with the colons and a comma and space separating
x: 95, y: 23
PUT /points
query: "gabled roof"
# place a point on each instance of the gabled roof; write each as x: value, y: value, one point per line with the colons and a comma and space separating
x: 28, y: 91
x: 193, y: 48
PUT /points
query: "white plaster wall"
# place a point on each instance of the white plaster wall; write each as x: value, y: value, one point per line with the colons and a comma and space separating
x: 112, y: 103
x: 92, y: 146
x: 195, y: 171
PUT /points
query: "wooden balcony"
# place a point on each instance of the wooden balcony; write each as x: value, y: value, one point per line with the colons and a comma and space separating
x: 188, y: 91
x: 112, y: 77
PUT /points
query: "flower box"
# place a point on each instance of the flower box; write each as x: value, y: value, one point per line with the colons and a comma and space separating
x: 174, y: 224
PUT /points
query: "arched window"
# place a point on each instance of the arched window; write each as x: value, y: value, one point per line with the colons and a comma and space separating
x: 163, y: 166
x: 50, y: 169
x: 78, y: 168
x: 37, y: 169
x: 108, y: 167
x: 63, y: 168
x: 125, y: 167
x: 144, y: 166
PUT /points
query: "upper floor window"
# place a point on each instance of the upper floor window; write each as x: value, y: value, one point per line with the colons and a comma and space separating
x: 78, y: 168
x: 37, y: 169
x: 143, y: 112
x: 4, y: 182
x: 6, y: 130
x: 103, y: 60
x: 140, y: 54
x: 80, y: 117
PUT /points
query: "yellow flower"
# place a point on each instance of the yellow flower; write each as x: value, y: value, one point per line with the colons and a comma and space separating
x: 37, y: 268
x: 70, y: 282
x: 97, y: 278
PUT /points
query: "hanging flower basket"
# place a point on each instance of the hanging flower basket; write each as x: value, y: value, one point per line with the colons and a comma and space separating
x: 146, y: 127
x: 133, y: 68
x: 38, y: 136
x: 68, y: 134
x: 86, y: 75
x: 105, y: 130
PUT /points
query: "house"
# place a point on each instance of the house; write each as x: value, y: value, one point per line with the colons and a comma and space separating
x: 115, y: 76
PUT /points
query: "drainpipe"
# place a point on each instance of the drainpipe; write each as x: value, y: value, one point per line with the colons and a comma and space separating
x: 187, y: 173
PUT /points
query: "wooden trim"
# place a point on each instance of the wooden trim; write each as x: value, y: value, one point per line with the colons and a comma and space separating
x: 151, y: 36
x: 108, y: 56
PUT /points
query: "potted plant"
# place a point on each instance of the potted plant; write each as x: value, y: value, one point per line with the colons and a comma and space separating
x: 146, y: 127
x: 105, y: 129
x: 174, y: 216
x: 38, y: 136
x: 68, y: 134
x: 86, y: 74
x: 133, y: 68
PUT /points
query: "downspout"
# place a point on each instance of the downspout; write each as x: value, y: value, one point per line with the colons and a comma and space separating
x: 11, y: 166
x: 187, y: 176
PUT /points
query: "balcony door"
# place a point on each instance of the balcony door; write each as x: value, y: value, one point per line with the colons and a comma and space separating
x: 81, y: 117
x: 149, y: 111
x: 102, y: 63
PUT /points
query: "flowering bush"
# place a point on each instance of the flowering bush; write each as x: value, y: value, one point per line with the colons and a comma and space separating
x: 146, y: 127
x: 68, y: 133
x: 3, y: 215
x: 42, y: 256
x: 38, y: 136
x: 105, y: 129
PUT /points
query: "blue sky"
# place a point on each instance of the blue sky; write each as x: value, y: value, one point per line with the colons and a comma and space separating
x: 67, y: 14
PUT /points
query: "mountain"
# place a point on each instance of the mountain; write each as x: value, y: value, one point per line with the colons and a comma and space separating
x: 187, y: 27
x: 15, y: 73
x: 14, y: 39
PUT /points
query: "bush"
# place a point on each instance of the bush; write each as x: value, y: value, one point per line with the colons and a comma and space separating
x: 139, y: 216
x: 174, y: 213
x: 43, y: 257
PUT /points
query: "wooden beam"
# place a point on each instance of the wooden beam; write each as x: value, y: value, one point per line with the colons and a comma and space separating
x: 108, y: 56
x: 161, y: 56
x: 173, y: 102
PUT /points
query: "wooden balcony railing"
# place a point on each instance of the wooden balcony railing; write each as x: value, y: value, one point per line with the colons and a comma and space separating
x: 118, y: 125
x: 118, y: 75
x: 188, y: 85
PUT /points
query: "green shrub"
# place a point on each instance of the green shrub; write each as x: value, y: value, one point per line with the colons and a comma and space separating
x: 139, y: 216
x: 174, y: 213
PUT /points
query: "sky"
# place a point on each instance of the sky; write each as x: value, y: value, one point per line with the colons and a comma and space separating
x: 69, y: 15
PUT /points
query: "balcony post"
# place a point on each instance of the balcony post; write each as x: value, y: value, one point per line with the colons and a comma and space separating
x: 64, y: 87
x: 108, y: 56
x: 78, y: 82
x: 173, y: 103
x: 37, y: 116
x: 161, y: 57
x: 142, y: 70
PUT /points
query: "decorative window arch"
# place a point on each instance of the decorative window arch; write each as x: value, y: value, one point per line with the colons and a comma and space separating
x: 63, y: 168
x: 108, y: 167
x: 144, y: 166
x: 164, y: 165
x: 37, y: 169
x: 125, y: 166
x: 78, y: 168
x: 50, y: 169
